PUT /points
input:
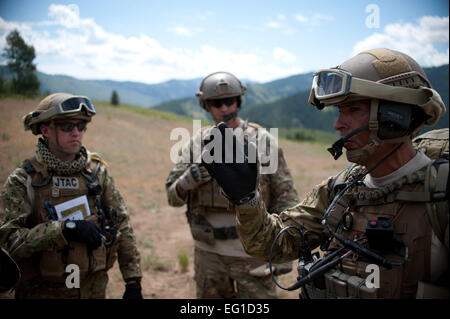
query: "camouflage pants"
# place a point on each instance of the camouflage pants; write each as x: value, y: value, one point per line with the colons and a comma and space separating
x: 218, y: 276
x: 93, y: 287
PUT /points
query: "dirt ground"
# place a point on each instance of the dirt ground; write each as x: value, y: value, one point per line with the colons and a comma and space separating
x: 137, y: 149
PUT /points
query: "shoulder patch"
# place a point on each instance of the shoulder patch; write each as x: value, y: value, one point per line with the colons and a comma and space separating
x: 28, y: 167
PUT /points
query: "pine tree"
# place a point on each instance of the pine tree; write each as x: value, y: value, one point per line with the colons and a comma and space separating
x: 20, y: 58
x: 115, y: 98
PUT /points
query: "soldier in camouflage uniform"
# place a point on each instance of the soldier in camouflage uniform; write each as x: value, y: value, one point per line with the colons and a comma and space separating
x: 222, y: 268
x: 44, y: 241
x: 388, y: 208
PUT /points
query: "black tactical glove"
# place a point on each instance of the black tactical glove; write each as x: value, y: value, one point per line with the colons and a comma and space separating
x: 83, y: 231
x: 237, y: 178
x: 133, y: 290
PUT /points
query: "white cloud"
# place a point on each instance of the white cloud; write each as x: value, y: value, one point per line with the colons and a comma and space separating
x: 276, y: 24
x: 7, y: 26
x: 283, y: 55
x: 314, y: 19
x: 273, y: 24
x: 182, y: 31
x: 68, y: 16
x: 204, y: 15
x: 320, y: 16
x: 415, y: 39
x: 69, y: 44
x: 301, y: 18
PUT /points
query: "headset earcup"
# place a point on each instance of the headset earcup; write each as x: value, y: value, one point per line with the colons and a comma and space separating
x: 394, y: 119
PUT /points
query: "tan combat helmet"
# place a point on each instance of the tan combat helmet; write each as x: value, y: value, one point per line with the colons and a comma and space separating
x: 9, y: 272
x: 380, y: 75
x: 58, y: 106
x: 220, y: 85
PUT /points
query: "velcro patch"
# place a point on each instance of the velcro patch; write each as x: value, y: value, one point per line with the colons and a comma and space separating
x: 65, y: 182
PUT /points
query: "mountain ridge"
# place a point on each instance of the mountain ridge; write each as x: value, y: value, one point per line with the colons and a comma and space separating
x: 277, y: 103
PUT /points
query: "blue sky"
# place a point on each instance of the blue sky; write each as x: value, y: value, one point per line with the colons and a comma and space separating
x: 155, y: 41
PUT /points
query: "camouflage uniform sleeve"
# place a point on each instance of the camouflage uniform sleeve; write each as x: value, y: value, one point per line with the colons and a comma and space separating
x: 172, y: 195
x: 128, y: 255
x: 257, y: 228
x: 18, y: 235
x: 282, y: 191
x: 183, y: 163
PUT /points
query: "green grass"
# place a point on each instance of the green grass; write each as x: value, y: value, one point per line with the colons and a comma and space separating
x: 5, y: 137
x: 151, y: 260
x: 152, y: 207
x: 145, y: 242
x: 183, y: 260
x: 144, y: 111
x: 154, y: 262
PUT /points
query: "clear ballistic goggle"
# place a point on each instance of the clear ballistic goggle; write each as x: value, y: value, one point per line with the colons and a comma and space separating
x: 72, y: 105
x: 334, y: 86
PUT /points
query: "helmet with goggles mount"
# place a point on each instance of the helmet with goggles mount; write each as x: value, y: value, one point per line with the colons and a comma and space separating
x: 401, y: 97
x: 58, y: 106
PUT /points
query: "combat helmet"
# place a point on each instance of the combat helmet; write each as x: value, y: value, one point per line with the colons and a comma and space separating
x: 220, y: 85
x: 402, y: 99
x: 58, y: 106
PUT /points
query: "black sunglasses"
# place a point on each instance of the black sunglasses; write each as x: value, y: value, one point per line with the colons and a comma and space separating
x: 68, y: 126
x: 219, y: 102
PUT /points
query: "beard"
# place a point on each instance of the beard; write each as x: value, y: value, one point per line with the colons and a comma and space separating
x: 66, y: 150
x: 230, y: 117
x: 71, y: 150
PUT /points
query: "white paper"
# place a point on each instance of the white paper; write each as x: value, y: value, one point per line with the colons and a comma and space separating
x: 74, y: 209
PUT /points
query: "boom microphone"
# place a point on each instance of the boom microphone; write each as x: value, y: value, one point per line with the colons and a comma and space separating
x: 336, y: 148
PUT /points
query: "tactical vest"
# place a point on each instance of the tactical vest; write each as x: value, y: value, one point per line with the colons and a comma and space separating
x: 402, y: 203
x: 44, y: 188
x: 208, y: 197
x: 435, y: 144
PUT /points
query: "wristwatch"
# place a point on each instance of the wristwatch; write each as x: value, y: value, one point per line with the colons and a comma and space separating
x: 70, y: 224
